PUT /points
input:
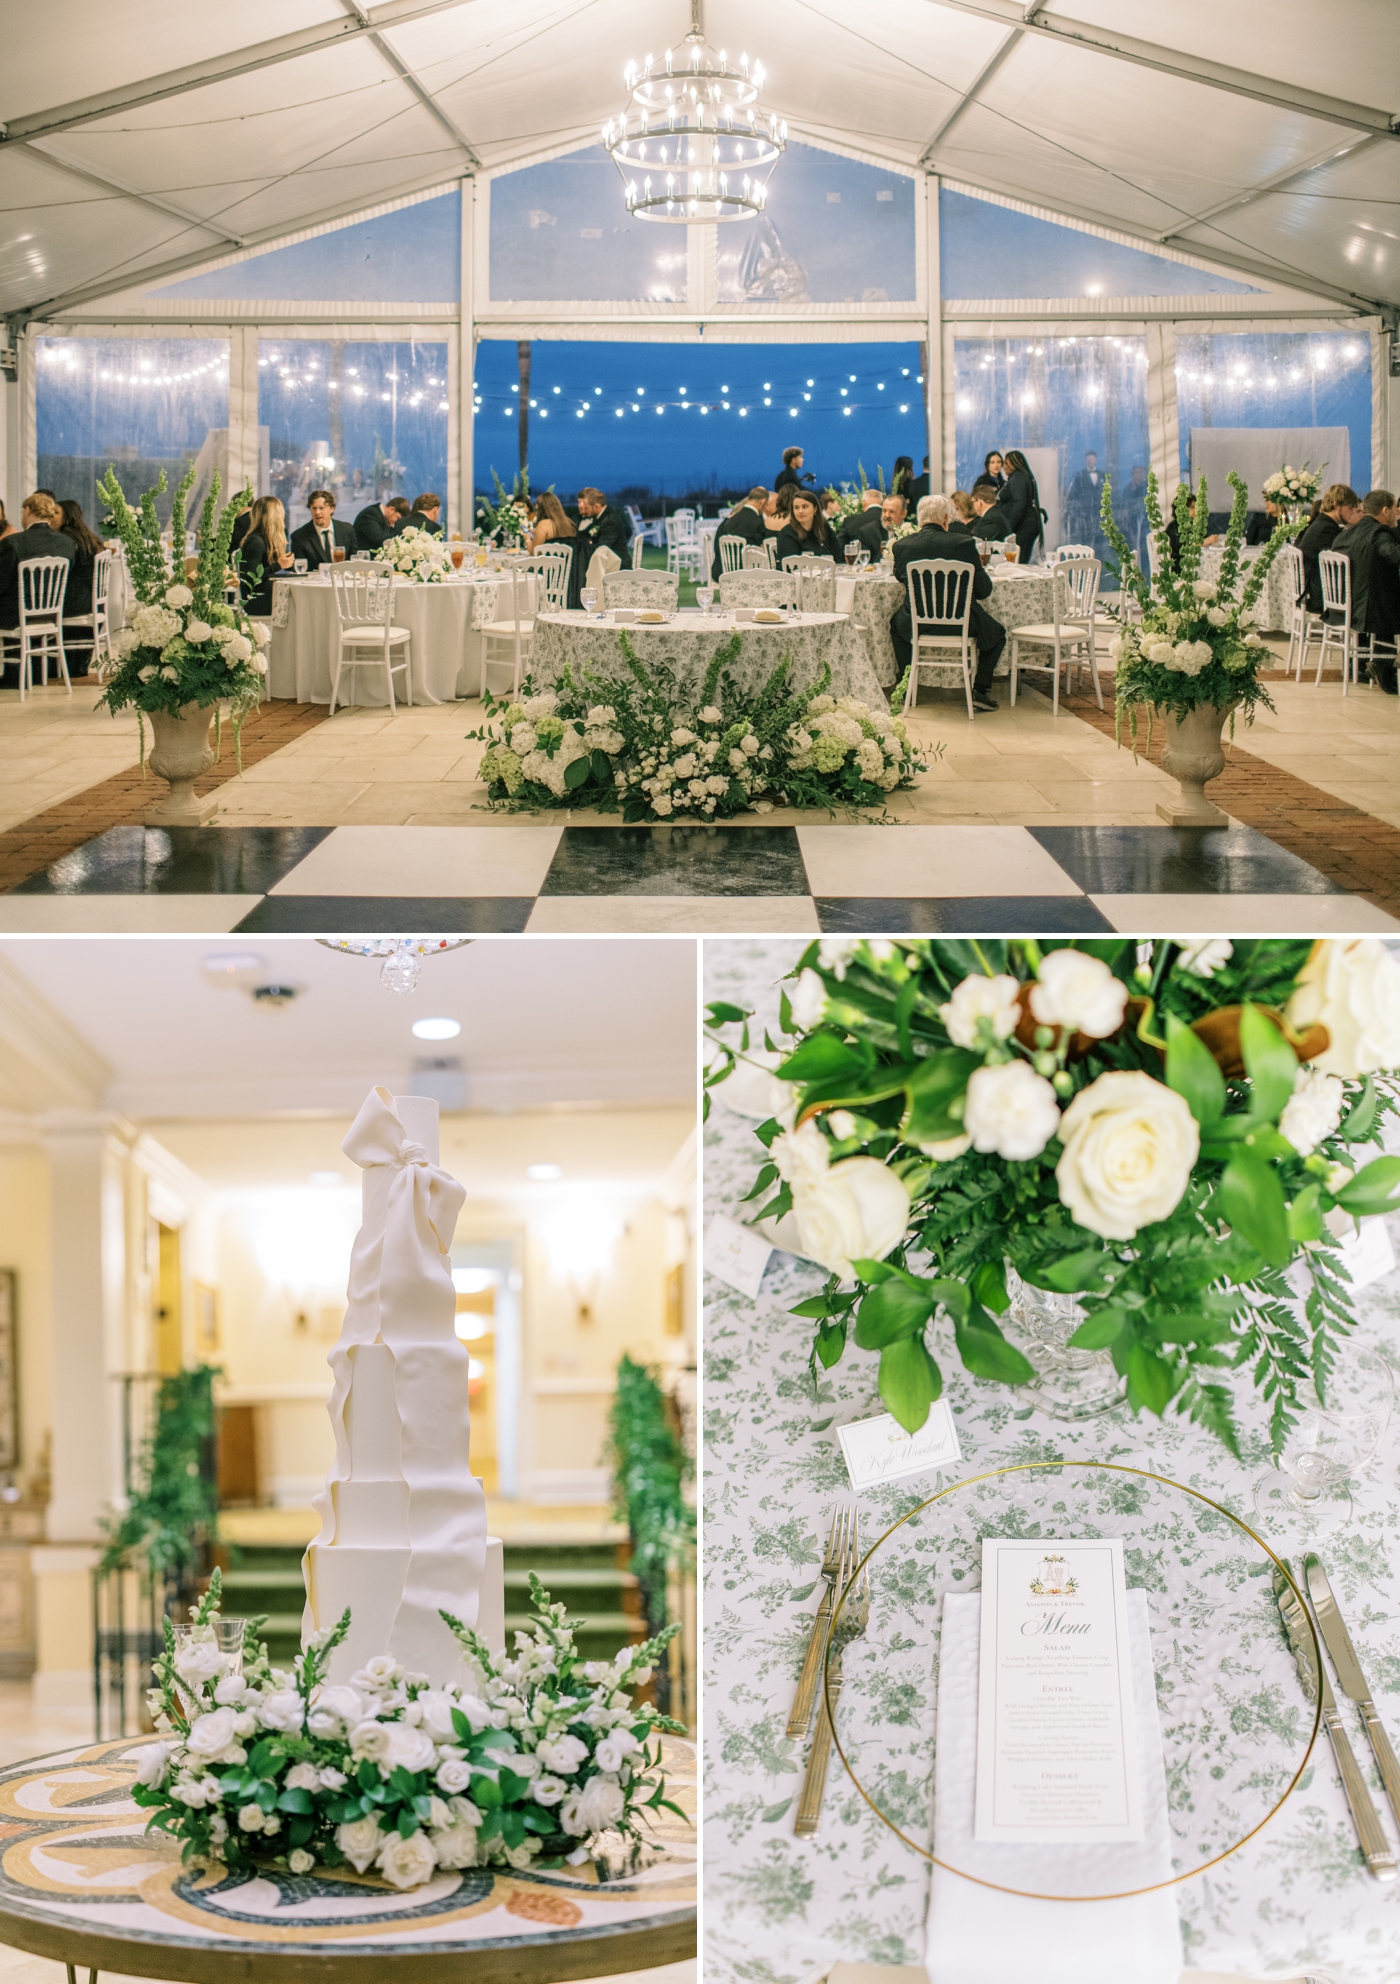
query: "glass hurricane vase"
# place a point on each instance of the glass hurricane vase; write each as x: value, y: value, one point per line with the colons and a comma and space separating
x: 1069, y: 1384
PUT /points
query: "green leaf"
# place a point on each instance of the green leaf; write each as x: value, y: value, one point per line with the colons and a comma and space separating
x: 891, y: 1311
x: 1150, y: 1378
x: 1072, y: 1272
x: 297, y: 1800
x: 485, y: 1793
x: 825, y: 1057
x: 598, y: 765
x: 1371, y: 1189
x: 989, y: 1286
x: 1250, y: 1198
x: 936, y: 1084
x: 1360, y: 1119
x: 873, y: 1271
x: 910, y: 1381
x: 721, y: 1013
x: 1270, y: 1063
x: 760, y: 1184
x: 299, y: 1831
x: 1193, y: 1073
x: 986, y: 1353
x: 1098, y: 1331
x: 1305, y: 1215
x: 830, y: 1343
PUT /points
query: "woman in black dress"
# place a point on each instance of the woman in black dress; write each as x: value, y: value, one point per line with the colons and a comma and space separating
x: 902, y: 479
x: 806, y: 533
x: 1020, y: 500
x: 263, y: 552
x: 77, y: 600
x: 994, y: 469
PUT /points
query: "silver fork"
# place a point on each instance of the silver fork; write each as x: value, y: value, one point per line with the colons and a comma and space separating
x: 845, y: 1533
x: 855, y: 1617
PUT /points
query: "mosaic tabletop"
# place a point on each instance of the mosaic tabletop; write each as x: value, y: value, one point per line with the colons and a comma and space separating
x: 780, y: 1910
x: 82, y: 1881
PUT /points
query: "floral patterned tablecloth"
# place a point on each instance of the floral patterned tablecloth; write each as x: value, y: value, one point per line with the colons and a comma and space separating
x: 1275, y: 607
x: 689, y: 642
x: 782, y: 1910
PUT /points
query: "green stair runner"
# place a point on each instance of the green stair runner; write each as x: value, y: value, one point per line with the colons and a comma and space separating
x: 585, y: 1577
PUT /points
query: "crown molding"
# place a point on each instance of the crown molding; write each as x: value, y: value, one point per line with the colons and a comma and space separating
x: 44, y: 1063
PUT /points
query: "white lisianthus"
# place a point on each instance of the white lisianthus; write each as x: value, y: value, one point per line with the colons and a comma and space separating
x: 410, y: 1748
x: 303, y: 1777
x: 594, y: 1808
x: 1313, y: 1111
x: 152, y: 1763
x: 1351, y: 985
x: 381, y: 1672
x: 614, y: 1749
x: 210, y: 1734
x: 836, y: 953
x: 858, y: 1210
x: 359, y: 1841
x: 1203, y: 956
x: 199, y: 1661
x: 549, y: 1790
x: 1129, y: 1146
x: 332, y: 1779
x: 407, y: 1863
x: 976, y: 1000
x: 1078, y: 991
x: 563, y: 1755
x: 283, y: 1710
x: 370, y: 1739
x: 1011, y: 1110
x: 346, y: 1706
x: 807, y: 1000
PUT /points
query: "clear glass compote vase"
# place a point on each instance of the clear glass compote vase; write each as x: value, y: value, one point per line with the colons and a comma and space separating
x: 1306, y: 1495
x: 1069, y: 1384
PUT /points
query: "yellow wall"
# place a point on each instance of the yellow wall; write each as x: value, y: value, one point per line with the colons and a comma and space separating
x: 25, y: 1246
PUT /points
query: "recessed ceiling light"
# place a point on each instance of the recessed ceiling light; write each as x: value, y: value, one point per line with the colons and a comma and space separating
x: 543, y: 1173
x: 474, y: 1281
x: 229, y: 964
x: 436, y: 1029
x: 326, y: 1178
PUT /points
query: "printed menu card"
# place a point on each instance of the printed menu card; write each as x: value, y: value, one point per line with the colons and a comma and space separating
x: 1057, y: 1758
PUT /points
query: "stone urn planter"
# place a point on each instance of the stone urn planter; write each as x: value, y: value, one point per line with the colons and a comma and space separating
x: 181, y: 753
x: 1193, y: 754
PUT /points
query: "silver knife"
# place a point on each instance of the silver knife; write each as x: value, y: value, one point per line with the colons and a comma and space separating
x: 1375, y: 1847
x: 1334, y: 1631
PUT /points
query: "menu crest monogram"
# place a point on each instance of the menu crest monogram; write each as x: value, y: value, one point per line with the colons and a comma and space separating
x: 1053, y: 1580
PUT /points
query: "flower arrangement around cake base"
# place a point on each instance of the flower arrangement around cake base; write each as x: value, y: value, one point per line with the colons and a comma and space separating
x: 1161, y: 1129
x: 416, y: 554
x: 524, y: 1766
x: 651, y: 747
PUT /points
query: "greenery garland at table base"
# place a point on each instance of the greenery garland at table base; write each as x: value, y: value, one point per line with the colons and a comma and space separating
x: 649, y: 1473
x: 1160, y: 1129
x: 649, y: 746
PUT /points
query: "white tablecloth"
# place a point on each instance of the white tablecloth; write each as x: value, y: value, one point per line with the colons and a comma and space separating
x: 444, y: 621
x: 688, y: 643
x: 1275, y: 603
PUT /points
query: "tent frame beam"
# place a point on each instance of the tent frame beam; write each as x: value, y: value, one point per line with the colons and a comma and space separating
x: 1070, y: 33
x: 389, y: 54
x: 1278, y: 182
x: 969, y: 97
x: 110, y: 184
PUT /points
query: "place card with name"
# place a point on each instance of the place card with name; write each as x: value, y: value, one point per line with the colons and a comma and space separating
x: 879, y: 1449
x: 1369, y: 1253
x: 736, y: 1254
x: 1057, y: 1759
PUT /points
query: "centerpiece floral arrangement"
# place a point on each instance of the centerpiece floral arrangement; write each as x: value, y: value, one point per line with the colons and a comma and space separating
x: 508, y: 518
x: 418, y: 555
x: 1196, y: 642
x: 1291, y: 487
x: 1161, y: 1129
x: 524, y: 1766
x: 185, y: 643
x: 651, y: 747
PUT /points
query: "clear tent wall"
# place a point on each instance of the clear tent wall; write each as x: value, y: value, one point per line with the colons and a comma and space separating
x: 521, y: 317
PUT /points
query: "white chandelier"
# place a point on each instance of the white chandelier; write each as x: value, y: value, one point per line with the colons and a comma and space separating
x: 402, y: 956
x: 694, y: 144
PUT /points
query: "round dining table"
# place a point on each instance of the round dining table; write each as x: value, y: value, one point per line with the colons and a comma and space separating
x: 687, y: 642
x: 444, y: 619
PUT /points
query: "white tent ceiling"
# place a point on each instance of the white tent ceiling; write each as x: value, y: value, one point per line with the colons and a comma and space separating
x: 141, y: 138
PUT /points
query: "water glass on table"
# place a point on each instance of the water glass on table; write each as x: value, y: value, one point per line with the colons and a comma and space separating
x: 589, y: 599
x: 704, y: 596
x: 299, y: 567
x: 1306, y: 1494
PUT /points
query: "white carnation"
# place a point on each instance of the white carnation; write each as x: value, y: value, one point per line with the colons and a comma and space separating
x: 1313, y: 1111
x: 1078, y: 991
x: 1203, y: 956
x: 1011, y: 1110
x: 807, y: 1000
x: 979, y: 999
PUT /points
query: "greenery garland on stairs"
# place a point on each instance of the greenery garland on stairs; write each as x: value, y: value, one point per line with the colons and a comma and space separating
x: 650, y: 1468
x: 172, y: 1516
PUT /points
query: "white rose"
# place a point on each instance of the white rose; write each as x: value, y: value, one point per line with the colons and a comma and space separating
x: 303, y: 1777
x: 563, y: 1755
x: 240, y: 648
x: 197, y: 632
x: 1216, y: 617
x: 437, y: 1706
x: 1313, y: 1111
x: 711, y: 715
x: 410, y: 1748
x: 407, y: 1863
x: 300, y: 1861
x: 152, y: 1762
x: 1252, y: 640
x: 178, y: 596
x: 359, y: 1841
x: 1351, y: 985
x: 331, y: 1779
x: 453, y: 1775
x: 1077, y: 991
x: 1011, y: 1110
x: 259, y: 664
x: 594, y: 1808
x: 1129, y: 1145
x: 978, y: 999
x: 1203, y: 956
x: 455, y: 1846
x: 345, y: 1706
x: 857, y: 1210
x: 549, y: 1790
x: 749, y: 746
x: 250, y: 1818
x: 261, y: 632
x: 807, y: 1000
x: 209, y: 1734
x: 145, y: 674
x: 230, y: 1691
x: 370, y: 1739
x: 170, y: 674
x: 1203, y: 589
x: 1162, y: 652
x: 283, y: 1710
x: 199, y: 1661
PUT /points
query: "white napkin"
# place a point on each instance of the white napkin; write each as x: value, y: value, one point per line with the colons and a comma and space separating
x: 977, y: 1936
x: 845, y: 595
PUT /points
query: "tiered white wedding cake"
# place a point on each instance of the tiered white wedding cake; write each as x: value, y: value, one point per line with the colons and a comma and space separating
x: 403, y: 1519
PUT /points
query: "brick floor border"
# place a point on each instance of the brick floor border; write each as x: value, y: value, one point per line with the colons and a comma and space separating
x: 125, y: 799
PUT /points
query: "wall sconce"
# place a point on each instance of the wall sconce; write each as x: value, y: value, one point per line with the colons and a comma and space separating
x: 580, y: 1243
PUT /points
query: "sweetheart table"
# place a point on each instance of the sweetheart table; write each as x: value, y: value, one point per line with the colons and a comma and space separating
x: 83, y: 1883
x: 1295, y: 1899
x: 444, y: 619
x: 689, y: 641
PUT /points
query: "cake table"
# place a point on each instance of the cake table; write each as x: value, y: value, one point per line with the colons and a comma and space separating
x: 82, y: 1883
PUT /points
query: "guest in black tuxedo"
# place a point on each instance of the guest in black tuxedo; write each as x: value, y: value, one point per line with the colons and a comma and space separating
x: 1373, y: 547
x: 37, y: 537
x: 934, y: 539
x: 316, y: 541
x: 379, y: 521
x: 263, y: 553
x: 864, y: 526
x: 1339, y: 509
x: 744, y: 520
x: 1021, y: 502
x: 791, y: 470
x: 77, y: 597
x: 7, y: 529
x: 807, y: 534
x: 425, y: 515
x: 990, y: 522
x: 1082, y: 503
x: 918, y: 488
x: 599, y: 523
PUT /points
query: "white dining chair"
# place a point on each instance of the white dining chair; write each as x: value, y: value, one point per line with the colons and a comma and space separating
x: 705, y: 537
x: 364, y: 609
x: 1337, y: 630
x: 100, y: 618
x: 506, y: 642
x: 760, y: 557
x: 1071, y: 634
x: 1063, y: 551
x: 625, y: 588
x: 731, y: 554
x: 940, y: 610
x: 1303, y: 626
x: 639, y: 545
x: 553, y: 568
x: 39, y: 635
